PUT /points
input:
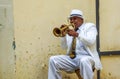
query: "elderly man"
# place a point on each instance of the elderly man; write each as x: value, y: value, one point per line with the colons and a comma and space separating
x: 85, y: 55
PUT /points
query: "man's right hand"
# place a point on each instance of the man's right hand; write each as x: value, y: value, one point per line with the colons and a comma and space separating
x: 72, y: 33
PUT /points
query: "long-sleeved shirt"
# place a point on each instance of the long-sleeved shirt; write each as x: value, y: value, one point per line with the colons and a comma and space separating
x: 85, y: 42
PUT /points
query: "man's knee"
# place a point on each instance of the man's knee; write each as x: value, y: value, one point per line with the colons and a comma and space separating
x: 51, y: 59
x: 84, y: 60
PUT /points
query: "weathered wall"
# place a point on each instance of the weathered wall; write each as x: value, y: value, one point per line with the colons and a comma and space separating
x: 109, y: 25
x: 34, y: 21
x: 7, y: 62
x: 111, y: 68
x: 109, y: 37
x: 35, y: 43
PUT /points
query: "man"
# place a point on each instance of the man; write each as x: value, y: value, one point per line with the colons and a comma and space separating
x: 86, y: 57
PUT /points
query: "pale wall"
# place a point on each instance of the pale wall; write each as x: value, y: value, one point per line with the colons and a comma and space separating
x: 111, y: 67
x: 34, y: 22
x: 109, y: 25
x: 110, y: 37
x: 7, y: 62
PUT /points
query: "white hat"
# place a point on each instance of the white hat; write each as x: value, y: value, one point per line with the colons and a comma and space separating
x: 76, y: 12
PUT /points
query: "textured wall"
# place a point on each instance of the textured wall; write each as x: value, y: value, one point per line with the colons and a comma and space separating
x: 7, y: 62
x: 35, y: 43
x: 34, y: 21
x: 109, y: 25
x: 109, y: 37
x: 111, y: 68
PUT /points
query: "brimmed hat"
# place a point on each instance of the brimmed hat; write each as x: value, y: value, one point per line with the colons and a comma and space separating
x: 76, y: 12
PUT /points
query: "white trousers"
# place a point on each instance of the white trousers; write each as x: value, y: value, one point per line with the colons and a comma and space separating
x: 63, y: 62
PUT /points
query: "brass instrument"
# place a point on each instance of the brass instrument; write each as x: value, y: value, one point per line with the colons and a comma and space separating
x: 62, y: 31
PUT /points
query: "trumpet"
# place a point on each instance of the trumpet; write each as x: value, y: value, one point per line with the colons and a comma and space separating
x: 63, y: 30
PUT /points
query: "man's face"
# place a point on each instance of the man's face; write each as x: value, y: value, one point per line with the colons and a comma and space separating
x: 77, y: 21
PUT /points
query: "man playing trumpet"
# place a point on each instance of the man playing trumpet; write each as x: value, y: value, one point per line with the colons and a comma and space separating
x: 81, y: 49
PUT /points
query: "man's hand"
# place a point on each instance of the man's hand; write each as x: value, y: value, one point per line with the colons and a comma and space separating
x: 72, y: 33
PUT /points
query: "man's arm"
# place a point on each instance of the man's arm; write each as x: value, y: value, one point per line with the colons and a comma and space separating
x: 88, y: 36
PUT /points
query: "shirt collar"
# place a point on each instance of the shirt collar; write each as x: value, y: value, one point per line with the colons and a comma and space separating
x: 81, y: 26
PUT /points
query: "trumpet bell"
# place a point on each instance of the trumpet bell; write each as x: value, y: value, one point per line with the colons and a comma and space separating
x: 62, y: 31
x: 57, y: 32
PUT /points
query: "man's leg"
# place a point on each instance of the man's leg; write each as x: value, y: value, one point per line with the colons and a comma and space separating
x: 53, y: 72
x: 60, y: 62
x: 86, y: 65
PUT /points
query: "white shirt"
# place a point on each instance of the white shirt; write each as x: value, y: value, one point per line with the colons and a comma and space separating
x: 86, y: 42
x: 80, y: 47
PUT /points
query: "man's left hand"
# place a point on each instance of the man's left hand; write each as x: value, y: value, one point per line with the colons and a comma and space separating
x: 72, y: 33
